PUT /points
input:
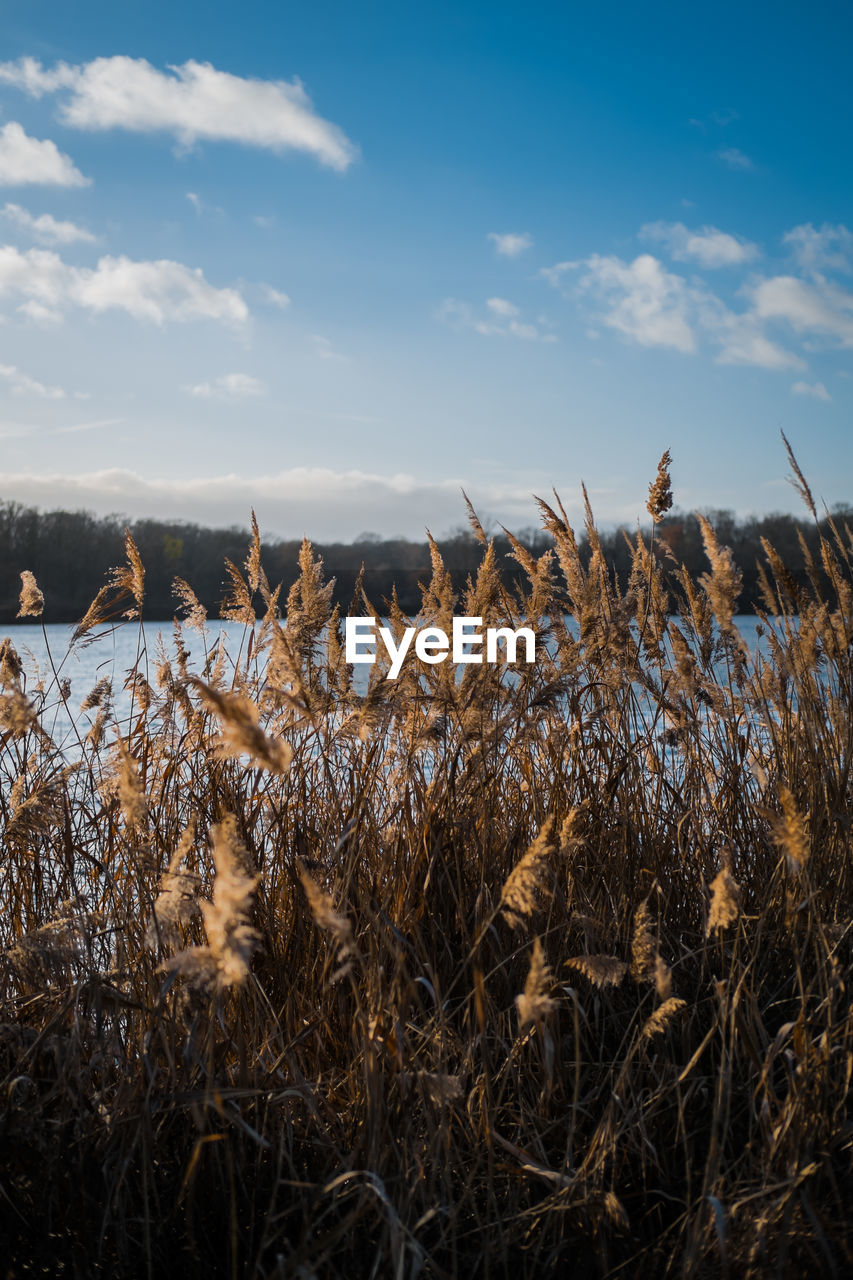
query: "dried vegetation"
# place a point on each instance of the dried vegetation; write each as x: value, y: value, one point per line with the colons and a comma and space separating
x: 479, y: 973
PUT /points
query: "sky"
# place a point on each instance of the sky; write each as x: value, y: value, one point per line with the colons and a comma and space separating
x: 335, y: 262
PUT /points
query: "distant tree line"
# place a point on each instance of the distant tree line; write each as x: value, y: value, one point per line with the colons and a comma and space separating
x: 70, y: 553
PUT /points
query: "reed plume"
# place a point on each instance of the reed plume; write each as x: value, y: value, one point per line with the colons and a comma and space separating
x: 32, y: 600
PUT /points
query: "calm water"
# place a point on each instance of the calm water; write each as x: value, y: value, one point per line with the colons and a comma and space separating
x: 112, y: 654
x: 115, y: 652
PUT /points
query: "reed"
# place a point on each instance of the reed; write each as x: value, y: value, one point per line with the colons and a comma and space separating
x: 539, y: 971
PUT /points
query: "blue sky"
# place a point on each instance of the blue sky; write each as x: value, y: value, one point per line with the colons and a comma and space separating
x: 335, y: 261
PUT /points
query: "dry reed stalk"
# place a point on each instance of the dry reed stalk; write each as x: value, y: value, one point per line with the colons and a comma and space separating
x: 601, y: 971
x: 100, y: 695
x: 129, y: 789
x: 32, y: 600
x: 18, y: 715
x: 177, y: 902
x: 240, y: 731
x: 663, y: 978
x: 10, y: 664
x: 723, y: 584
x: 524, y: 886
x: 660, y: 490
x: 326, y: 917
x: 130, y: 578
x: 643, y: 944
x: 725, y: 899
x: 791, y: 834
x: 196, y: 614
x: 535, y: 1003
x: 231, y: 940
x: 658, y: 1022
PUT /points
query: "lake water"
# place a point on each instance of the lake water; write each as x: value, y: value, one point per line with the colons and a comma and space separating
x: 115, y: 652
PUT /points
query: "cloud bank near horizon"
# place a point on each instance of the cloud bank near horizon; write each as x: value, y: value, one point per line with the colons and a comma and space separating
x: 316, y: 501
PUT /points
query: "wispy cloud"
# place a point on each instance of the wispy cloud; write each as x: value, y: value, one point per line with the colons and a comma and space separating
x: 815, y: 389
x: 818, y: 308
x: 654, y: 307
x: 721, y: 117
x: 554, y: 275
x: 26, y: 161
x: 825, y: 248
x: 21, y: 384
x: 510, y: 244
x: 275, y: 297
x: 45, y: 228
x: 502, y: 319
x: 193, y: 102
x: 640, y: 299
x: 202, y: 207
x: 324, y: 348
x: 734, y: 159
x: 742, y: 340
x: 18, y: 431
x: 230, y: 386
x: 501, y: 307
x: 708, y: 246
x: 156, y: 291
x: 43, y: 316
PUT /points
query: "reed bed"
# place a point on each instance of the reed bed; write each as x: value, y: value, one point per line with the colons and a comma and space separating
x: 481, y: 973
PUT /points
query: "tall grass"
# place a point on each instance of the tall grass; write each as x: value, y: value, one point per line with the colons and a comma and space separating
x: 540, y: 972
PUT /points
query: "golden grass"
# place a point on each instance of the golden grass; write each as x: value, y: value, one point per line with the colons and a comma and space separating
x: 533, y: 973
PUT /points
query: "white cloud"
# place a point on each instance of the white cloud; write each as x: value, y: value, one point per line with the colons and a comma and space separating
x: 275, y: 297
x: 264, y: 221
x: 21, y: 384
x: 325, y: 350
x: 34, y: 79
x: 45, y: 317
x: 817, y: 390
x: 657, y: 308
x: 231, y: 386
x: 742, y: 341
x: 641, y: 300
x: 318, y: 501
x: 511, y: 243
x: 708, y: 246
x: 194, y: 102
x: 734, y: 159
x: 821, y: 249
x: 156, y: 291
x: 502, y: 321
x: 501, y: 307
x: 45, y: 228
x: 819, y: 307
x: 202, y: 207
x: 740, y: 336
x: 554, y: 275
x: 720, y: 118
x: 26, y: 161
